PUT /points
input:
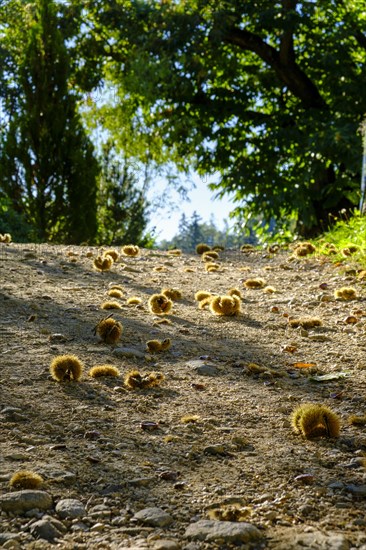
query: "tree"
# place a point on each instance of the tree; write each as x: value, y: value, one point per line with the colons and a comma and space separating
x: 193, y: 231
x: 123, y: 207
x: 48, y: 167
x: 266, y: 93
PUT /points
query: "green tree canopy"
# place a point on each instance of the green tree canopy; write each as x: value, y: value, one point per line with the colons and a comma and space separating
x: 266, y: 93
x: 47, y: 165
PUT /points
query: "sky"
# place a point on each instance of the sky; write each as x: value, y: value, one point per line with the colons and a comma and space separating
x: 201, y: 199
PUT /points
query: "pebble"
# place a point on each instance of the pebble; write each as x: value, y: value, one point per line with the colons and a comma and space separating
x: 203, y: 368
x: 4, y: 537
x: 70, y: 508
x: 57, y: 337
x: 48, y: 528
x: 357, y: 490
x: 165, y: 544
x: 155, y: 517
x: 217, y: 449
x: 22, y: 501
x: 224, y: 531
x: 293, y: 540
x: 319, y: 338
x: 128, y: 352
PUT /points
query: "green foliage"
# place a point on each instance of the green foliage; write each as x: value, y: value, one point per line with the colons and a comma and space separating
x: 348, y: 230
x: 48, y: 169
x: 268, y: 94
x: 123, y: 208
x: 192, y: 231
x: 14, y: 223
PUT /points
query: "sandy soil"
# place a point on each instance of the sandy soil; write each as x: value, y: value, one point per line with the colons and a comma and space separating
x: 236, y: 450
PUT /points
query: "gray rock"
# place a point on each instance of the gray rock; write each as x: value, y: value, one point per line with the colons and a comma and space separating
x: 22, y: 501
x: 70, y: 508
x: 156, y: 517
x: 128, y: 352
x: 4, y: 537
x: 357, y: 490
x: 315, y: 540
x: 166, y: 544
x: 48, y: 528
x: 225, y: 531
x: 203, y: 368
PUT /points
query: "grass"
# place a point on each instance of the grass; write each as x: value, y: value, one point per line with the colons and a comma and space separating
x: 346, y: 233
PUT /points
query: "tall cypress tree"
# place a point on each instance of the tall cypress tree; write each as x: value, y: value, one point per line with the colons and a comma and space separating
x: 56, y: 170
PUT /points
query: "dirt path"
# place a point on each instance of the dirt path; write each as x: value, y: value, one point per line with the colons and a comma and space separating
x: 220, y: 444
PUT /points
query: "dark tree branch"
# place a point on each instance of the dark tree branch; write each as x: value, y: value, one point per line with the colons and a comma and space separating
x: 287, y: 52
x: 289, y: 74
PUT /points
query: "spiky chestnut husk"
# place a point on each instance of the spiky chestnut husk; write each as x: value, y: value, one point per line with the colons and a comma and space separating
x: 110, y: 305
x: 66, y: 367
x: 154, y: 346
x: 104, y: 370
x: 314, y: 420
x: 25, y: 479
x: 230, y: 513
x: 134, y: 301
x: 202, y: 247
x: 210, y: 255
x: 160, y: 304
x: 305, y: 322
x: 115, y: 293
x: 225, y: 305
x: 235, y: 292
x: 113, y: 286
x: 130, y: 250
x: 112, y: 253
x: 135, y: 380
x: 172, y: 293
x: 190, y: 418
x: 247, y: 248
x: 350, y: 250
x: 269, y: 290
x: 174, y: 252
x: 345, y: 293
x: 109, y: 330
x: 357, y: 420
x: 255, y: 283
x: 5, y: 238
x: 103, y: 263
x: 202, y: 304
x: 305, y: 248
x: 202, y: 295
x: 211, y: 266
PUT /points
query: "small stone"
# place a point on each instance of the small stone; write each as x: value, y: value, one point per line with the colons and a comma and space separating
x: 155, y: 517
x: 165, y: 544
x: 218, y: 449
x: 319, y: 338
x: 224, y: 531
x: 128, y: 352
x: 203, y: 368
x: 294, y: 540
x: 97, y: 527
x: 70, y: 508
x: 4, y: 537
x: 22, y: 501
x: 57, y: 338
x: 357, y: 490
x: 48, y: 528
